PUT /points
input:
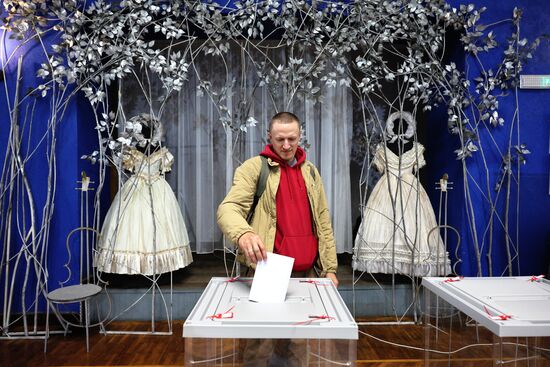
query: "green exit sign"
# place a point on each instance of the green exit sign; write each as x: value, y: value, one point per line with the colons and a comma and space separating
x: 534, y: 81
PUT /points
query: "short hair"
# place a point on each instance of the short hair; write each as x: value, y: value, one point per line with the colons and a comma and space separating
x: 284, y: 118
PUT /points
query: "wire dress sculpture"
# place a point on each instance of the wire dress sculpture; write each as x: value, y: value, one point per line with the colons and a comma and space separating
x: 144, y: 231
x: 395, y: 234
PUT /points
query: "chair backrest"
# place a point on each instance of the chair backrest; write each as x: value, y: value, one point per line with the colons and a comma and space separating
x: 86, y: 246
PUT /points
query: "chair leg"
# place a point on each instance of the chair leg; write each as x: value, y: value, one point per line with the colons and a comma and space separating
x: 65, y: 326
x: 87, y: 322
x: 102, y: 330
x: 47, y: 334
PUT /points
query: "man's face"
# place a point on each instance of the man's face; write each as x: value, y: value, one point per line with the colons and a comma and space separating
x: 285, y: 139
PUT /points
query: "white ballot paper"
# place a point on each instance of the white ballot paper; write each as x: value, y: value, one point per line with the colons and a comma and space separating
x: 271, y: 279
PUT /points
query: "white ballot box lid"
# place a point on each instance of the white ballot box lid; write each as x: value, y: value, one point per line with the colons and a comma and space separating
x: 313, y: 309
x: 508, y: 306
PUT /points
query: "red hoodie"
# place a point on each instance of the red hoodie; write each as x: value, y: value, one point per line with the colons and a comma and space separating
x: 294, y: 236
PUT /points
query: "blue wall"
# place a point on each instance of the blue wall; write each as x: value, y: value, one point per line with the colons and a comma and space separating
x: 533, y: 233
x: 72, y: 138
x: 535, y: 121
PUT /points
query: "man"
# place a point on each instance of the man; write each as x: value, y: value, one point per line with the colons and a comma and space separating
x: 291, y: 217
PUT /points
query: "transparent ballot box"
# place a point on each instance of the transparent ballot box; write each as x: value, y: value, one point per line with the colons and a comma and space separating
x: 502, y: 321
x: 312, y: 326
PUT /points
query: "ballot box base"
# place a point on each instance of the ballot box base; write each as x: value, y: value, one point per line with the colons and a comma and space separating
x: 312, y: 327
x: 501, y: 321
x: 277, y: 352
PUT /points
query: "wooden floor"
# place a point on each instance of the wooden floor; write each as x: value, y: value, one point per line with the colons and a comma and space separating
x: 169, y: 350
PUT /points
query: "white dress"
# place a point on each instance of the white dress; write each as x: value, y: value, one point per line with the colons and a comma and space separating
x: 396, y: 241
x: 130, y: 242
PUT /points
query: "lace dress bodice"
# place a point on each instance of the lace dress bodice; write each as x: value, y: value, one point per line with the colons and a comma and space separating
x: 406, y: 164
x: 152, y: 166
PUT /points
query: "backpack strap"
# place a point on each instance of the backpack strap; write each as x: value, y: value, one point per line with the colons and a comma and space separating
x: 260, y: 187
x: 312, y: 171
x: 264, y: 172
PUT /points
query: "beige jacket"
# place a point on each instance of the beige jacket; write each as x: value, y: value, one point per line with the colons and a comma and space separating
x: 234, y: 209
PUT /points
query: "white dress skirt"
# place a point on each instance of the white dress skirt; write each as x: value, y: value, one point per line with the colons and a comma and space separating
x: 144, y: 231
x: 396, y: 240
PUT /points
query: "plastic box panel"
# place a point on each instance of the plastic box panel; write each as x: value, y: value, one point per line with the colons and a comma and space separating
x: 313, y: 309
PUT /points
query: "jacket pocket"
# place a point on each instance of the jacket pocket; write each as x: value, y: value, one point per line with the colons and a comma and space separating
x: 302, y: 248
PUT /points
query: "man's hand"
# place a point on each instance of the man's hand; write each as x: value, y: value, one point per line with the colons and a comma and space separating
x: 332, y: 277
x: 252, y: 246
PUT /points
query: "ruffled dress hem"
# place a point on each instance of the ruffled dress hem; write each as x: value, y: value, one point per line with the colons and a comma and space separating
x: 425, y: 269
x: 120, y: 262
